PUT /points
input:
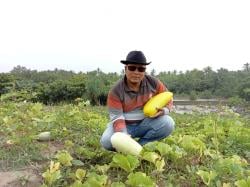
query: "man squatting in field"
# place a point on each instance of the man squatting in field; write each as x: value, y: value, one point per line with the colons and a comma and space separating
x: 126, y: 100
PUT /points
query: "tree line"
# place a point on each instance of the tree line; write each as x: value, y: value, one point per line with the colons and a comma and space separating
x: 51, y: 87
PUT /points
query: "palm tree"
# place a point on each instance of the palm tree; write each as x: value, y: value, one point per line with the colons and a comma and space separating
x: 246, y: 67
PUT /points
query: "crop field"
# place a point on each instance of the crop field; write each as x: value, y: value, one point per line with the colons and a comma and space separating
x: 204, y: 150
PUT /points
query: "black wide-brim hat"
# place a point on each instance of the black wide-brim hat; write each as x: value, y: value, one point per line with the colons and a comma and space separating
x: 135, y: 57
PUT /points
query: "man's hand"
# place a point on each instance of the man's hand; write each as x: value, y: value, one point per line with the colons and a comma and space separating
x: 124, y: 130
x: 160, y: 112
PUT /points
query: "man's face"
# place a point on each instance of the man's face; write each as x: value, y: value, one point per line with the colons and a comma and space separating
x: 135, y: 73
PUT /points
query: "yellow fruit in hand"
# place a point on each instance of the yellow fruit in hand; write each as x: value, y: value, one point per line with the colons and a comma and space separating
x: 157, y: 102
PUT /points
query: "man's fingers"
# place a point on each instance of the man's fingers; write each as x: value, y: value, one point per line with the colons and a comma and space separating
x: 158, y: 109
x: 157, y: 114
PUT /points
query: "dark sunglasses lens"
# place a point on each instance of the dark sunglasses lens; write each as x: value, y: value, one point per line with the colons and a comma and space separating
x: 141, y: 69
x: 133, y: 68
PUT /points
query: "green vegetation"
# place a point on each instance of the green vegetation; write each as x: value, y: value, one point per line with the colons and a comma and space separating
x: 204, y: 150
x: 46, y: 120
x: 51, y: 87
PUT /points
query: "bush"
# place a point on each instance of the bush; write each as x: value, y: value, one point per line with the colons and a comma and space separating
x: 19, y: 96
x: 193, y: 96
x: 246, y: 94
x: 59, y: 91
x: 206, y: 94
x: 235, y: 101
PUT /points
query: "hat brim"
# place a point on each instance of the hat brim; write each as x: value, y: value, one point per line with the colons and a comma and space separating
x: 133, y: 62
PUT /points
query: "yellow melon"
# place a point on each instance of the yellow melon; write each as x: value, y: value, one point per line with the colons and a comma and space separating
x: 158, y: 101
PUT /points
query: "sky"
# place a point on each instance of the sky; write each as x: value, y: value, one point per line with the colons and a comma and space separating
x: 85, y: 35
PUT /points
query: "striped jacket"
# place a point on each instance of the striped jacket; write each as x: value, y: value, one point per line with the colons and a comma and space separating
x: 126, y: 106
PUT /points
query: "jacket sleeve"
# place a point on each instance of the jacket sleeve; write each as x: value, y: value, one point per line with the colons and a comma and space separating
x: 116, y: 112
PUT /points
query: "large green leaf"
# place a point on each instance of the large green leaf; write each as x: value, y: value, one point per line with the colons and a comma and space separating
x: 96, y: 181
x: 163, y: 148
x: 117, y: 184
x: 207, y: 177
x: 243, y: 183
x: 80, y: 174
x: 151, y: 156
x: 128, y: 162
x: 139, y: 179
x: 64, y: 158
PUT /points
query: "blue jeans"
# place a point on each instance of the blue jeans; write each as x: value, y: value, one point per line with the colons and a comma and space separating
x: 148, y: 130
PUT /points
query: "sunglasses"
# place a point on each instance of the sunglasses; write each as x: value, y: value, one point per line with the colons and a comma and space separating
x: 139, y: 69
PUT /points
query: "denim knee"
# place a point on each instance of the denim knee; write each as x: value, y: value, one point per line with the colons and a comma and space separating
x: 106, y: 143
x: 168, y: 126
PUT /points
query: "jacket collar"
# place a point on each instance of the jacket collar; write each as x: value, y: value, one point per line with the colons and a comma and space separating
x: 127, y: 89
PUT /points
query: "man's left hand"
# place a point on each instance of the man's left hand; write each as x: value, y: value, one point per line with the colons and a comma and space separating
x: 160, y: 112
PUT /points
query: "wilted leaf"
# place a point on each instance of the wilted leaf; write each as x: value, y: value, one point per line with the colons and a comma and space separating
x: 150, y: 156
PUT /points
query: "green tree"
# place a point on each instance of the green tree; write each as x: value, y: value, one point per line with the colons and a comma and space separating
x: 244, y: 89
x: 7, y: 83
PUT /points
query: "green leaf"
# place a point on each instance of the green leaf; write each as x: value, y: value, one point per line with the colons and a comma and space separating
x: 96, y: 181
x: 150, y: 156
x: 160, y: 165
x: 163, y: 148
x: 64, y: 158
x: 51, y: 178
x: 177, y: 153
x: 139, y: 179
x: 43, y: 185
x: 151, y: 146
x: 77, y: 163
x: 243, y: 183
x: 128, y: 162
x: 192, y: 144
x: 77, y: 184
x: 80, y: 174
x: 103, y: 169
x: 117, y: 184
x: 36, y: 108
x: 233, y: 166
x: 207, y: 177
x: 85, y: 152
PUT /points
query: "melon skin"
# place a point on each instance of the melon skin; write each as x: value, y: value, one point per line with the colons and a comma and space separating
x: 125, y: 144
x: 44, y: 136
x: 157, y: 102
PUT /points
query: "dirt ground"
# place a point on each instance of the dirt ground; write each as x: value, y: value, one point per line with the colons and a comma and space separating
x: 29, y: 176
x: 21, y: 178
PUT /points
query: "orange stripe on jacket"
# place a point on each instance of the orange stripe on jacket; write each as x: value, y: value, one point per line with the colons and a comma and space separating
x: 161, y: 87
x: 114, y: 102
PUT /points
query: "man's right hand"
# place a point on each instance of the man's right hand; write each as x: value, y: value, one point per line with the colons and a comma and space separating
x: 124, y: 130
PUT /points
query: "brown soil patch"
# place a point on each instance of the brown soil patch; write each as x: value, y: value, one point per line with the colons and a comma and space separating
x: 50, y: 148
x: 25, y: 177
x: 30, y: 177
